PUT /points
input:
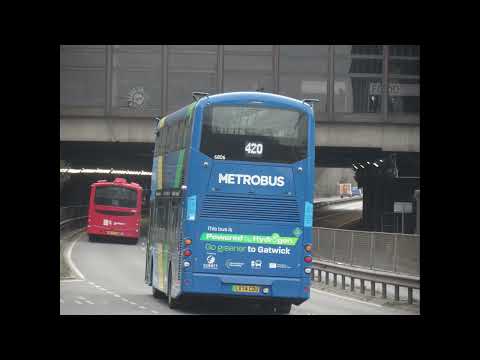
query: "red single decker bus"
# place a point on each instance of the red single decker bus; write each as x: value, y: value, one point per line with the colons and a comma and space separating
x: 115, y: 209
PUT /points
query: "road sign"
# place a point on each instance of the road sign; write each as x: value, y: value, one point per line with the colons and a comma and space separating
x: 402, y: 207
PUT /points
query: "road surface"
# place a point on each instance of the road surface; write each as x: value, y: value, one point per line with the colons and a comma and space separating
x: 339, y: 215
x: 113, y: 283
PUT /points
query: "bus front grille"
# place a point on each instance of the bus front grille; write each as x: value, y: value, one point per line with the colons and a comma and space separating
x: 250, y: 208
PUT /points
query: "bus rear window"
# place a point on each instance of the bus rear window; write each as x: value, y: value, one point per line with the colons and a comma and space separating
x: 115, y: 196
x: 250, y: 133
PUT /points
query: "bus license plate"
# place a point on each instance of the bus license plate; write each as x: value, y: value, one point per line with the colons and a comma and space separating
x: 114, y: 233
x: 245, y: 289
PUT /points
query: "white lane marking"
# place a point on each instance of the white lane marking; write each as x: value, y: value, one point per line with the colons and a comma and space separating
x: 97, y: 286
x: 71, y: 280
x: 91, y: 283
x: 103, y: 289
x: 142, y: 307
x: 78, y: 302
x: 348, y: 222
x: 110, y: 292
x: 89, y: 302
x: 345, y: 298
x: 69, y: 259
x: 124, y: 299
x: 153, y: 311
x: 133, y: 303
x: 116, y: 295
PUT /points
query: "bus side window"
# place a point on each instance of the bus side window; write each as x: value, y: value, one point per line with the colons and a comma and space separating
x: 173, y: 138
x: 158, y: 143
x: 162, y: 218
x: 163, y: 140
x: 181, y: 135
x: 159, y: 218
x: 189, y: 129
x: 153, y: 225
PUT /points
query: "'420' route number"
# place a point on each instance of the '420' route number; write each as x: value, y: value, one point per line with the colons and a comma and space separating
x: 254, y: 148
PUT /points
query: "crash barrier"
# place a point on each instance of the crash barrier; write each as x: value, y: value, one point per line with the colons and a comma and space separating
x: 386, y: 258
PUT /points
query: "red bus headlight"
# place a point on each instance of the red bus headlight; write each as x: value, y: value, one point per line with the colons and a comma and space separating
x: 187, y: 252
x: 308, y: 259
x: 188, y: 241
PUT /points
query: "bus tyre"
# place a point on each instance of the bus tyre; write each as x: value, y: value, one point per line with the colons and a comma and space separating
x: 172, y: 303
x: 283, y: 308
x: 157, y: 293
x: 92, y: 238
x: 268, y: 307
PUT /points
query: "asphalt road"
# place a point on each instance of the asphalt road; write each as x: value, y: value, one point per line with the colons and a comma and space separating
x: 339, y: 215
x: 113, y: 283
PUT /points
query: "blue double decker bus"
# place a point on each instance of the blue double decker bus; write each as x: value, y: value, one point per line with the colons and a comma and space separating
x: 231, y: 200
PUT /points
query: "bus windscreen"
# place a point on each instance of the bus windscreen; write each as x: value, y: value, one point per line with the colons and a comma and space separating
x: 115, y: 196
x: 258, y: 134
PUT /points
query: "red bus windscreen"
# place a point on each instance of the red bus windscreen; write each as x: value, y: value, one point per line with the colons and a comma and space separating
x: 116, y: 196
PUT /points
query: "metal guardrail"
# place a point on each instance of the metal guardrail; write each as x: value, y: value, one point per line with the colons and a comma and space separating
x: 398, y: 253
x: 72, y: 217
x: 384, y: 258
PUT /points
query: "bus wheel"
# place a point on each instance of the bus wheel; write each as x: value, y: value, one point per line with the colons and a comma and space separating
x: 283, y: 308
x: 157, y: 293
x: 92, y: 238
x: 268, y: 307
x: 172, y: 303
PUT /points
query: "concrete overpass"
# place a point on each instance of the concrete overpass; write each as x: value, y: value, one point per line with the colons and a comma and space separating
x: 400, y: 137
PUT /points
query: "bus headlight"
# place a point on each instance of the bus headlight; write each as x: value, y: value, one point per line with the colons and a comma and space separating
x: 266, y: 290
x: 308, y: 270
x: 186, y: 264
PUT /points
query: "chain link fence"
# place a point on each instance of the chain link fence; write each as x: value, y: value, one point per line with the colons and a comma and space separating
x: 399, y: 253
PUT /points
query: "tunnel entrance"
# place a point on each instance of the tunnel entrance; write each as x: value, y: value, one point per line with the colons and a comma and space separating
x: 91, y: 155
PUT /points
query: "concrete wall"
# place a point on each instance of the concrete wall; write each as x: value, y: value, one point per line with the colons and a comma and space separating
x: 135, y: 130
x: 326, y: 180
x: 388, y: 137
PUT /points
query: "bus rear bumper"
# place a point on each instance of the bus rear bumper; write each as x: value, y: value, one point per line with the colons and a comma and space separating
x: 104, y: 231
x: 297, y: 290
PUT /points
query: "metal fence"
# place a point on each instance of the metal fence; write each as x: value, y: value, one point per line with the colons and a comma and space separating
x: 399, y: 253
x: 70, y: 212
